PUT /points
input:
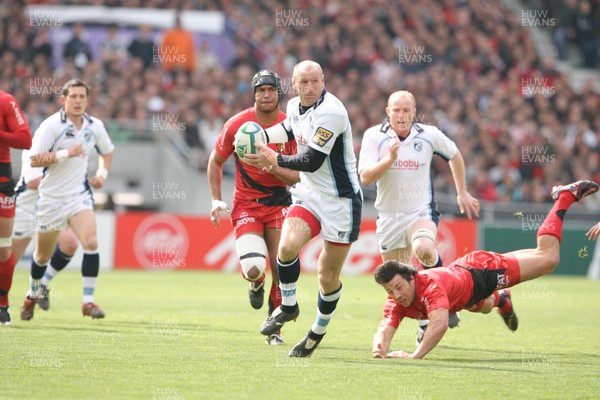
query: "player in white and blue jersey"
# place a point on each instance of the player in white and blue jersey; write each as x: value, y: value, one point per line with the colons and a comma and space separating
x: 397, y: 154
x: 62, y: 146
x: 26, y: 195
x: 327, y: 200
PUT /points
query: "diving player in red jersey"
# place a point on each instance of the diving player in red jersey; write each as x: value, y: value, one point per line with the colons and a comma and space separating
x: 260, y: 197
x: 477, y: 282
x: 14, y: 133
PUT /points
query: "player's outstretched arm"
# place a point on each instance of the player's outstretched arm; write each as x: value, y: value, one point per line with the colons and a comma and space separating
x: 464, y: 199
x: 215, y: 176
x: 594, y: 232
x: 438, y: 325
x: 381, y: 341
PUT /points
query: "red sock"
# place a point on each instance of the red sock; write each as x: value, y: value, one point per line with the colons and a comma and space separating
x: 7, y: 268
x: 502, y: 308
x: 553, y: 223
x: 496, y: 298
x: 275, y: 295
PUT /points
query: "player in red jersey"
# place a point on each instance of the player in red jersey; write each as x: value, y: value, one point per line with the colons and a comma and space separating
x: 15, y: 133
x: 260, y: 197
x: 470, y: 282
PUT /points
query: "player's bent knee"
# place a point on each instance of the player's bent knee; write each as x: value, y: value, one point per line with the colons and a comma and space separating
x: 90, y: 243
x: 420, y: 234
x: 423, y: 244
x: 41, y: 259
x: 67, y: 244
x: 5, y: 253
x: 327, y: 277
x: 5, y: 248
x: 252, y: 252
x: 552, y: 262
x: 287, y: 251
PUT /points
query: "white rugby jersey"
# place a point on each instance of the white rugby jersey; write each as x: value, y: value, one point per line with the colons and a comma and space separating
x: 406, y: 186
x: 26, y: 197
x: 68, y: 178
x: 326, y: 128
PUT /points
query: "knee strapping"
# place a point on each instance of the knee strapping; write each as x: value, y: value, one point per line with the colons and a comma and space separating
x: 6, y: 242
x: 252, y: 252
x: 422, y: 233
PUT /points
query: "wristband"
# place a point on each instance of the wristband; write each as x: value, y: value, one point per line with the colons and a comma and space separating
x: 219, y: 204
x: 61, y: 155
x: 103, y: 172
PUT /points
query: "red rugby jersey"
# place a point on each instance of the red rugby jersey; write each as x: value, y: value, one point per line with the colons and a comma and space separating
x: 446, y: 287
x: 224, y: 147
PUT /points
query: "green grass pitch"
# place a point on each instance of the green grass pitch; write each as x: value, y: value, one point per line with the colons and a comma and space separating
x: 193, y: 335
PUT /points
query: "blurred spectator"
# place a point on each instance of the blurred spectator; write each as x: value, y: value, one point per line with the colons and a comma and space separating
x: 113, y: 50
x: 210, y: 127
x: 205, y: 58
x: 564, y: 13
x: 142, y: 46
x: 177, y: 49
x: 243, y: 56
x: 586, y: 33
x: 77, y: 49
x: 41, y: 45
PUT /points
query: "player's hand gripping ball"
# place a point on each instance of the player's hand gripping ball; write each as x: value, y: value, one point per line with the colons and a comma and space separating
x: 249, y: 134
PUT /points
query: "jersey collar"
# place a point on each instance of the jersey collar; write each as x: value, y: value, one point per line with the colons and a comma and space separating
x: 386, y: 128
x: 302, y: 110
x: 63, y: 117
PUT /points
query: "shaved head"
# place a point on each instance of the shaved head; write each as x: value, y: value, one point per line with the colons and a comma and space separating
x: 394, y: 97
x: 307, y: 66
x: 308, y: 81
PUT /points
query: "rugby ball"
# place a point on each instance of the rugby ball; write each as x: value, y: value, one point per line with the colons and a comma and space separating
x: 249, y: 134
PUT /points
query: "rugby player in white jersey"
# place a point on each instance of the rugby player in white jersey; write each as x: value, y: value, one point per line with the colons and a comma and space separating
x: 65, y: 196
x: 26, y: 196
x: 327, y: 200
x: 397, y: 154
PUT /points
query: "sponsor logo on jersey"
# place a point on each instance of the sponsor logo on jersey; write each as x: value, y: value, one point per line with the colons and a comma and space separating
x: 244, y: 221
x: 18, y: 115
x: 343, y: 235
x: 88, y: 136
x: 321, y: 137
x: 7, y: 203
x: 410, y: 165
x: 161, y: 242
x: 503, y: 280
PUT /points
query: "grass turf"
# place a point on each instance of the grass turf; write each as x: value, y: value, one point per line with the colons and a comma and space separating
x: 193, y: 335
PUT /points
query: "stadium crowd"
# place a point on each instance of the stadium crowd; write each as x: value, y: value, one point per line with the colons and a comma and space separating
x: 471, y: 65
